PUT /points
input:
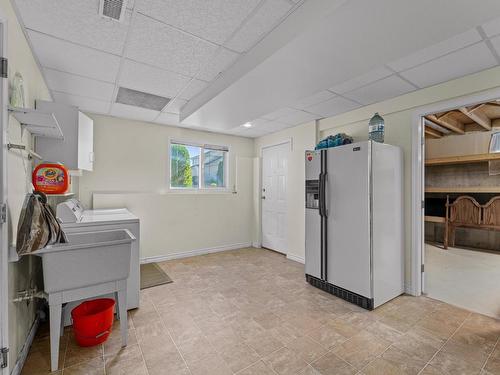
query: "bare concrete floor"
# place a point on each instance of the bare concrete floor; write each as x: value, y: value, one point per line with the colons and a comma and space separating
x: 465, y: 278
x: 250, y: 311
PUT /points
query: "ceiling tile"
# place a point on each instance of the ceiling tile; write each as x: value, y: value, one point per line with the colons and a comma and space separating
x: 279, y: 113
x: 378, y: 91
x: 298, y: 117
x: 492, y: 27
x: 152, y: 80
x: 457, y: 64
x: 175, y: 105
x: 437, y: 50
x: 313, y: 99
x: 193, y: 88
x: 361, y: 80
x: 214, y: 20
x: 77, y: 85
x: 83, y: 103
x: 131, y: 112
x: 167, y: 118
x: 76, y: 59
x: 334, y: 106
x: 157, y: 44
x: 261, y: 23
x: 75, y: 20
x: 274, y: 126
x: 217, y: 64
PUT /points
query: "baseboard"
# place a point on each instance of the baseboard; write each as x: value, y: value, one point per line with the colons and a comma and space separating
x: 295, y: 258
x: 191, y: 253
x: 257, y: 245
x: 26, y: 348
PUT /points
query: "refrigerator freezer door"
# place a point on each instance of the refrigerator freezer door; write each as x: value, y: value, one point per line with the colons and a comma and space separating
x: 312, y: 217
x: 313, y: 243
x: 348, y: 204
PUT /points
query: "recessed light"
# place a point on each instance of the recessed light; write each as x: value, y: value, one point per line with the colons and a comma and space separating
x: 247, y: 125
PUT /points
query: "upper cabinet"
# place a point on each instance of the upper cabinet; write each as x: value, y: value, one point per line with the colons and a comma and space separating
x: 76, y: 150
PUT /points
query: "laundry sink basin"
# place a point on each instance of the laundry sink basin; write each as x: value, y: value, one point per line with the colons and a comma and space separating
x: 89, y: 258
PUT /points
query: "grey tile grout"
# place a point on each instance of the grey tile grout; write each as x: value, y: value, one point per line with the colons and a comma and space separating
x: 444, y: 344
x: 490, y: 354
x: 171, y: 338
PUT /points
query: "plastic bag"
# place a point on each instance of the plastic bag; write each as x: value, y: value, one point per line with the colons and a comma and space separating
x: 38, y: 226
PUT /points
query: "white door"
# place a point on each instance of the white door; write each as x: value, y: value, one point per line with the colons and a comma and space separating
x: 4, y: 249
x: 274, y: 197
x: 85, y: 142
x: 348, y: 206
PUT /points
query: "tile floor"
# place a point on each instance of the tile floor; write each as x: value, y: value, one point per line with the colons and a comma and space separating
x: 250, y: 312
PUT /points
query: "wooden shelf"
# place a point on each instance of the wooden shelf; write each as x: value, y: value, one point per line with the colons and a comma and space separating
x: 434, y: 219
x: 465, y: 159
x: 468, y: 189
x: 38, y: 123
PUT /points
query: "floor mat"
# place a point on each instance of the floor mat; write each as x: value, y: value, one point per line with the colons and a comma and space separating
x: 153, y: 275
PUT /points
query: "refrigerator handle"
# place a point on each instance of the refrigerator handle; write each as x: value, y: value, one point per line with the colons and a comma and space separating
x: 325, y: 195
x: 321, y: 194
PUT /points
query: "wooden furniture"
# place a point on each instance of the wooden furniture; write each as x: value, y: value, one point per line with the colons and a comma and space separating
x: 466, y: 212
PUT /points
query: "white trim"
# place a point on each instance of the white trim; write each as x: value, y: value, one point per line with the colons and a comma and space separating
x: 21, y: 360
x: 417, y: 181
x: 257, y: 245
x: 4, y: 245
x: 192, y: 253
x: 296, y: 258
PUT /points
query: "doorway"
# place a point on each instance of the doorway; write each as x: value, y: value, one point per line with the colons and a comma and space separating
x: 460, y: 211
x: 274, y: 197
x: 4, y: 249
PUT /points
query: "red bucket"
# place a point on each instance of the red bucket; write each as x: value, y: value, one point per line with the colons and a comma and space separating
x: 92, y: 321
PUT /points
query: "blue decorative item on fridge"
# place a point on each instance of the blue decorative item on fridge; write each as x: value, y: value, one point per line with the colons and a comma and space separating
x: 334, y: 141
x: 376, y: 128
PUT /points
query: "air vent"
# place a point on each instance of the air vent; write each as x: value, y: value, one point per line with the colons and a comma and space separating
x: 113, y: 9
x: 141, y: 99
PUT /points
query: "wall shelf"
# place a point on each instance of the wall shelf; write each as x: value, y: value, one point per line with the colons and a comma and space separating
x: 467, y: 189
x: 38, y: 123
x: 465, y: 159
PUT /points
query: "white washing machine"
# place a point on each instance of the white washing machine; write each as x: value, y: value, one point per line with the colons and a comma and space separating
x: 75, y: 218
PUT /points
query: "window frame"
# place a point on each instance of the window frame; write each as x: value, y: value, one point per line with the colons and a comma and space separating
x: 201, y: 188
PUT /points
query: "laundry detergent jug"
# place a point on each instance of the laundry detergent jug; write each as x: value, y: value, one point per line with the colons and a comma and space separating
x: 51, y: 178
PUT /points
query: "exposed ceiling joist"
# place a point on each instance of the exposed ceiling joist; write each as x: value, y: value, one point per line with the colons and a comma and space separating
x: 432, y: 132
x: 449, y: 123
x: 476, y: 115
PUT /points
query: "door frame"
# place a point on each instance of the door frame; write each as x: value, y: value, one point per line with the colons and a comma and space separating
x: 4, y: 243
x: 417, y: 187
x: 285, y: 141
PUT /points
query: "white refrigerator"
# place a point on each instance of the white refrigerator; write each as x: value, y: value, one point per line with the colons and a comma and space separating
x: 354, y: 222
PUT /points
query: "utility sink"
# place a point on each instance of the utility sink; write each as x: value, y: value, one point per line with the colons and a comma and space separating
x: 87, y: 259
x: 89, y: 265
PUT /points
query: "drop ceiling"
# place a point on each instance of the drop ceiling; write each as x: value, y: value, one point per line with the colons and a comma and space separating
x: 274, y: 63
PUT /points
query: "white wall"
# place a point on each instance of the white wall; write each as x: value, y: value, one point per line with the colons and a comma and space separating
x: 131, y: 170
x: 21, y: 315
x: 303, y: 138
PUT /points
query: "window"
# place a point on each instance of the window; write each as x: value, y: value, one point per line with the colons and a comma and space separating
x: 195, y: 166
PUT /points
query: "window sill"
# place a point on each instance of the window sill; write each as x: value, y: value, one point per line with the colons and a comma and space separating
x: 201, y: 191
